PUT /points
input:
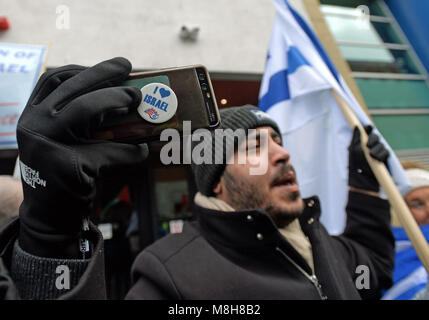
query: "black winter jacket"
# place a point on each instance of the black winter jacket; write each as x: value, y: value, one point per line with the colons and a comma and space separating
x: 242, y: 255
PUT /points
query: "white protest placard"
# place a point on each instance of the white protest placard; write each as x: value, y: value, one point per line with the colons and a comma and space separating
x: 20, y: 66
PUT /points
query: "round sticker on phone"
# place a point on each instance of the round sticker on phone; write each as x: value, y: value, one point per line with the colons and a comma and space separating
x: 159, y: 103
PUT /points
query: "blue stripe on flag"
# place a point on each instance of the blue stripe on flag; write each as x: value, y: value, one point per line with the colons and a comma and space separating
x: 406, y: 262
x: 295, y: 59
x: 409, y: 294
x: 315, y: 41
x: 278, y: 90
x: 400, y: 234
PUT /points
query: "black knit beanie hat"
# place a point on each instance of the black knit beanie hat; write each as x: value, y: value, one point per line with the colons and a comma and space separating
x: 243, y: 117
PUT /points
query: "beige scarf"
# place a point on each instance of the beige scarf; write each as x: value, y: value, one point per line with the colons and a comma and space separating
x: 292, y: 232
x: 296, y: 237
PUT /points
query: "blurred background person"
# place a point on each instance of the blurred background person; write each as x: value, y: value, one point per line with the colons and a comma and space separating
x: 11, y: 196
x: 409, y: 276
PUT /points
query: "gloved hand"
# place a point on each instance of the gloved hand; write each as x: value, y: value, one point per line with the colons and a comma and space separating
x: 60, y: 162
x: 360, y: 173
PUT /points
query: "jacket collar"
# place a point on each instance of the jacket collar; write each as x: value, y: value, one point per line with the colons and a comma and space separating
x: 250, y: 229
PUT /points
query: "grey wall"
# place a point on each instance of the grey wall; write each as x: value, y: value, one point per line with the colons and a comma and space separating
x: 233, y: 36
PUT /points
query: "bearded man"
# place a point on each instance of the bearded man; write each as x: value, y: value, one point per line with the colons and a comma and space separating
x: 254, y: 237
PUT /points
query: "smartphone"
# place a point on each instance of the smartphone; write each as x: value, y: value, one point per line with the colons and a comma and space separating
x: 170, y: 97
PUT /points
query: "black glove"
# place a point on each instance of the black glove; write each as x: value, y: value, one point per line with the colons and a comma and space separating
x: 360, y: 173
x: 59, y: 160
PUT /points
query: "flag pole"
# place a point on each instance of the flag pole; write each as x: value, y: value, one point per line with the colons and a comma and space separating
x: 395, y: 198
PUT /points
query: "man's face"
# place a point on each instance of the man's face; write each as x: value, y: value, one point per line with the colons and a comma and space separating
x: 276, y: 191
x: 418, y: 202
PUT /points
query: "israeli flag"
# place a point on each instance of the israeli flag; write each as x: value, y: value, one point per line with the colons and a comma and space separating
x: 295, y: 91
x: 409, y: 275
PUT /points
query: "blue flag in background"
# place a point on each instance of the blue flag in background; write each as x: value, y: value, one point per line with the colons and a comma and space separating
x: 296, y: 92
x: 409, y: 275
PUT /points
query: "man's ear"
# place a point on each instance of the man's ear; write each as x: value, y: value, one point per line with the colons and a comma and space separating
x: 218, y: 190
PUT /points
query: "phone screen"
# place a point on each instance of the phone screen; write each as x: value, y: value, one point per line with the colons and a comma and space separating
x: 195, y: 102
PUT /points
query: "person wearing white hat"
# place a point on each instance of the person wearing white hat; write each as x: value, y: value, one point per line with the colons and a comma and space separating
x: 409, y: 276
x: 417, y: 198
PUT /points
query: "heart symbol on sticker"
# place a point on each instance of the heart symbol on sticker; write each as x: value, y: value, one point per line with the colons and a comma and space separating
x: 164, y: 93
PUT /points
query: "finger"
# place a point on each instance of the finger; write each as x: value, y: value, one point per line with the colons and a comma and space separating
x: 105, y: 74
x: 379, y: 152
x: 368, y: 129
x: 106, y: 157
x: 84, y: 114
x: 373, y: 139
x: 51, y: 79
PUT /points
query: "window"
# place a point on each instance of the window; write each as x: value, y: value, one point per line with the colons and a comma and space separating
x: 369, y: 40
x: 386, y: 69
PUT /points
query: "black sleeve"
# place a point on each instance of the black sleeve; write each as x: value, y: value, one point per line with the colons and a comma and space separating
x: 368, y: 241
x: 151, y: 279
x: 25, y: 276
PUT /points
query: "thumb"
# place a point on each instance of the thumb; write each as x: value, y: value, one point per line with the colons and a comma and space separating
x: 355, y: 138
